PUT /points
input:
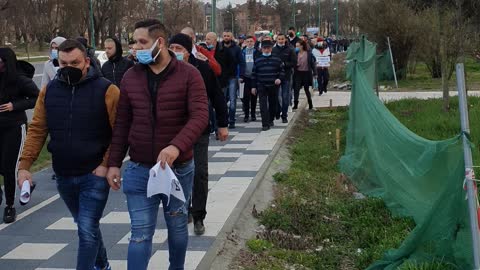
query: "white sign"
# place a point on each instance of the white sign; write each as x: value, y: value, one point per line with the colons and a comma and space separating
x: 323, y: 61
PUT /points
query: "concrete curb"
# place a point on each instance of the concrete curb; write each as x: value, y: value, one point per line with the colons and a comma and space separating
x: 212, y: 253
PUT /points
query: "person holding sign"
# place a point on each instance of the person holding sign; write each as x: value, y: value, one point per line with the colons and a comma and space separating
x: 322, y: 55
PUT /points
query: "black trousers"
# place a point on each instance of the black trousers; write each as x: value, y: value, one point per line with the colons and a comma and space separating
x: 249, y: 101
x: 322, y: 77
x: 200, y: 181
x: 268, y: 96
x: 302, y: 78
x: 11, y: 144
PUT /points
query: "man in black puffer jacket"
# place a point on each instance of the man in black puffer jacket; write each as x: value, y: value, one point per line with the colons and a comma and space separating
x: 181, y: 45
x: 116, y: 65
x: 17, y: 93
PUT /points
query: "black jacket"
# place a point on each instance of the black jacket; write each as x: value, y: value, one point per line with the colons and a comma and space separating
x: 17, y: 87
x: 225, y: 61
x: 116, y: 66
x: 312, y: 66
x: 294, y: 41
x: 235, y: 53
x: 215, y: 94
x: 288, y: 56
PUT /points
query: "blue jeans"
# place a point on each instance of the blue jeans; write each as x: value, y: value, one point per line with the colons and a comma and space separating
x: 231, y: 96
x: 86, y: 197
x: 284, y: 98
x: 143, y: 215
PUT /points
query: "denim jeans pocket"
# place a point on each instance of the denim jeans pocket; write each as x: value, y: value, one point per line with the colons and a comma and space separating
x: 135, y: 178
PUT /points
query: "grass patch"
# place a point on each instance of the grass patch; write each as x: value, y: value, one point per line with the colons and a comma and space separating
x: 315, y: 222
x: 427, y: 119
x: 422, y: 79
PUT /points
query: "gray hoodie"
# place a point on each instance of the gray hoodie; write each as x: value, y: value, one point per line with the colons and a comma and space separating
x: 49, y: 69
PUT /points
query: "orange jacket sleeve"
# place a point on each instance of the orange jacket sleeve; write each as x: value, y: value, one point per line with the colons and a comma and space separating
x: 111, y: 101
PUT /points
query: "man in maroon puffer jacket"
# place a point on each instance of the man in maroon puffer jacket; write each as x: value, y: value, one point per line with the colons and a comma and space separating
x: 162, y: 111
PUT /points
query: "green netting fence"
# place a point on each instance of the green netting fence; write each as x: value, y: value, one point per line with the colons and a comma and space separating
x: 415, y: 177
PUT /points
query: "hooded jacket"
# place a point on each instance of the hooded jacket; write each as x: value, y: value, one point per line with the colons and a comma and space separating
x: 116, y: 66
x: 17, y: 87
x: 51, y: 66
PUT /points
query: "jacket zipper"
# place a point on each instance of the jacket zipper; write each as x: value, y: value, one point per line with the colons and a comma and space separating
x: 114, y: 79
x: 71, y: 115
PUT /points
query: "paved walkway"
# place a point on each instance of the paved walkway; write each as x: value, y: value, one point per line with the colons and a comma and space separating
x: 44, y: 236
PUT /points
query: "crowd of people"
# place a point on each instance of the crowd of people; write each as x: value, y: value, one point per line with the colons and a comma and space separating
x: 159, y: 104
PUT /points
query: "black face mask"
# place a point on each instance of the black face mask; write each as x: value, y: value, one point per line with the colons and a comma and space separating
x: 71, y: 75
x: 2, y: 67
x: 291, y: 34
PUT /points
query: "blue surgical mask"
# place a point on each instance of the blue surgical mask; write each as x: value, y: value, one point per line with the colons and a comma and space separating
x: 145, y: 56
x: 210, y: 46
x: 54, y: 54
x: 179, y: 56
x: 297, y: 50
x: 266, y: 54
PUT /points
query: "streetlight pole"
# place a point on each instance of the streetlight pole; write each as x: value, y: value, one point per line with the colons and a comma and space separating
x: 214, y: 14
x: 294, y: 12
x: 233, y: 25
x: 161, y: 10
x: 92, y: 38
x: 336, y: 18
x: 319, y: 19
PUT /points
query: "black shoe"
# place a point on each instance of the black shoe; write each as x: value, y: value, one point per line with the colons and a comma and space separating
x: 272, y: 124
x: 254, y: 118
x: 9, y: 215
x: 284, y: 120
x: 294, y: 107
x: 277, y: 116
x: 265, y: 128
x: 231, y: 126
x: 54, y: 177
x: 198, y: 227
x: 245, y: 119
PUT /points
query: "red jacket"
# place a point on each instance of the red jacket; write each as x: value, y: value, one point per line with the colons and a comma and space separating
x: 181, y: 115
x: 214, y: 65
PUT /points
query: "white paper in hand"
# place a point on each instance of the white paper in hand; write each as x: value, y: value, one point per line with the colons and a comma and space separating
x: 25, y: 193
x: 241, y: 89
x: 164, y: 182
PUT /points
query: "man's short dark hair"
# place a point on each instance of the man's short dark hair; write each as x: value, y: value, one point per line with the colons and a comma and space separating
x: 281, y: 34
x: 71, y: 44
x: 155, y: 28
x: 291, y: 28
x: 248, y: 37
